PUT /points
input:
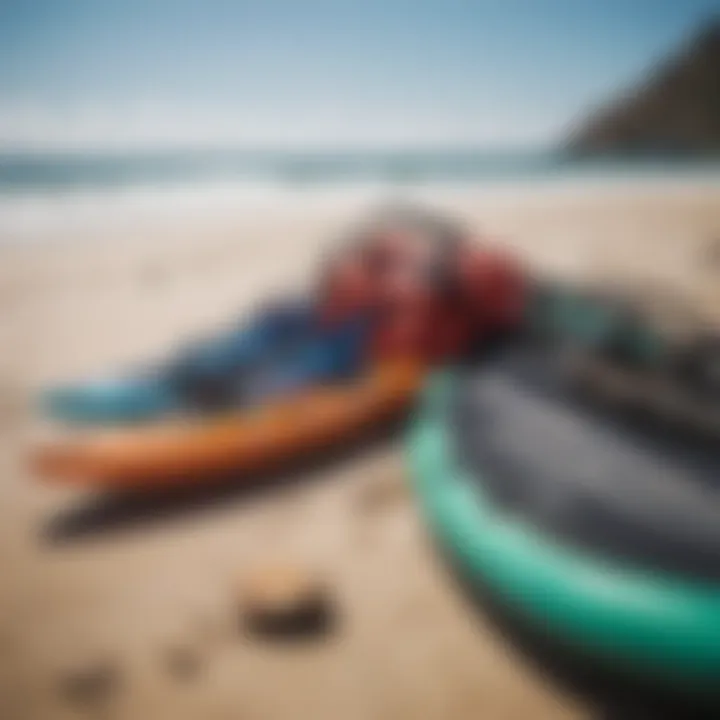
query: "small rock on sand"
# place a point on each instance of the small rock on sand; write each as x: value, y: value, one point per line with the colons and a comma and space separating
x: 90, y: 682
x: 183, y: 660
x: 285, y: 599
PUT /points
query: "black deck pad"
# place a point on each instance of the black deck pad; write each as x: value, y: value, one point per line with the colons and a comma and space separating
x: 589, y: 479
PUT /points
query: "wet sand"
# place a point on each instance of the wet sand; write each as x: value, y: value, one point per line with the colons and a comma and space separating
x: 91, y: 579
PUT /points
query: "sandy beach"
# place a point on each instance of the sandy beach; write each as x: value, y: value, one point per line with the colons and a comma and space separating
x: 89, y: 286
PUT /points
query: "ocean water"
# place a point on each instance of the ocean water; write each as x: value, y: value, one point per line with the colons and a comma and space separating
x: 33, y: 172
x: 43, y: 193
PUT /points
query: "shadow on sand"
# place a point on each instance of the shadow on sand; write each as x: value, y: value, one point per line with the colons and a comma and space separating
x: 112, y: 512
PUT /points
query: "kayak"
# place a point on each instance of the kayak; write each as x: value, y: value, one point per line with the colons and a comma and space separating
x: 632, y: 335
x: 258, y: 438
x: 208, y: 369
x: 430, y: 290
x: 587, y: 319
x: 598, y: 530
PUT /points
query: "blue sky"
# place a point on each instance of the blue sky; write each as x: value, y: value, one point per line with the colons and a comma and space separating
x: 98, y: 73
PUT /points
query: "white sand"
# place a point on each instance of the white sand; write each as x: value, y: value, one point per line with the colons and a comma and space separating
x: 85, y: 286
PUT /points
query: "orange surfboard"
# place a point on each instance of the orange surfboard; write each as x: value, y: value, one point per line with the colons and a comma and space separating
x: 258, y: 439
